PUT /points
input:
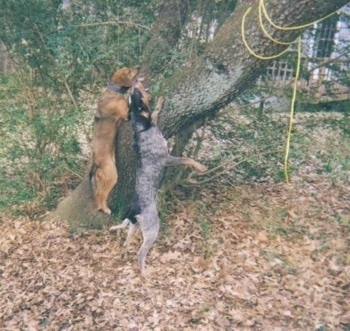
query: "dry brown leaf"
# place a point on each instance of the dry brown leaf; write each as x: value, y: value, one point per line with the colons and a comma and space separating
x: 251, y: 272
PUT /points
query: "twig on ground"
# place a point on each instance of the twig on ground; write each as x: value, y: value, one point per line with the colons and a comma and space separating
x: 217, y: 173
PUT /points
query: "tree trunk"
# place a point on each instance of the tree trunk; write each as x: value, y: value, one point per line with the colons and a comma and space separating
x: 197, y: 91
x: 226, y: 68
x: 79, y: 207
x: 165, y: 35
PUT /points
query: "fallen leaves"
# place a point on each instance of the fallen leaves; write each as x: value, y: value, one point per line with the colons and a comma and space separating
x: 280, y: 263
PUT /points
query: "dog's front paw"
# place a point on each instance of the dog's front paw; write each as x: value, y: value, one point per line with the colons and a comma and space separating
x: 106, y: 211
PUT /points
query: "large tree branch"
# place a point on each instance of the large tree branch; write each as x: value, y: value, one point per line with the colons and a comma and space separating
x: 199, y: 90
x: 165, y: 34
x: 226, y: 69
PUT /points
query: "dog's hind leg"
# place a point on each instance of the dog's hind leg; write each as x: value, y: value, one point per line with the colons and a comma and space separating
x: 105, y: 179
x: 131, y: 230
x: 174, y: 161
x: 125, y: 223
x: 149, y: 234
x: 98, y: 181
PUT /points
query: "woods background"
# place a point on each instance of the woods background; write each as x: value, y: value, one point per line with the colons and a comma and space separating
x: 58, y: 56
x: 238, y: 248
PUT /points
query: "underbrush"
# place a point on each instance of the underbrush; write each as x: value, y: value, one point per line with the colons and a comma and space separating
x: 40, y: 154
x: 243, y: 146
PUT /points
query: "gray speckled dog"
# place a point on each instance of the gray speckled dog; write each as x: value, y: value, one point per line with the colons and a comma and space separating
x: 153, y: 156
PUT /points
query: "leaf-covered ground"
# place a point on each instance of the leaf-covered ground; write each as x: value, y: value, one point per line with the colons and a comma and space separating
x: 254, y: 257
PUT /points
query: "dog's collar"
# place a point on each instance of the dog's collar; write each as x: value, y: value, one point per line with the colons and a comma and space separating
x: 115, y: 88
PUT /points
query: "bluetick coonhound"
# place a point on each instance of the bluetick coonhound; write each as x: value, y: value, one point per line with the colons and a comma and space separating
x: 153, y: 156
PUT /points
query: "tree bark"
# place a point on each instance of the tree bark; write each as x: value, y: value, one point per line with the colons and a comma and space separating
x: 226, y: 68
x: 79, y: 207
x: 165, y: 35
x: 199, y: 90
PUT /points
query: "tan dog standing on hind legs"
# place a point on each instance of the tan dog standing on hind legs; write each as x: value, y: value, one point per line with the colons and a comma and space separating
x: 112, y: 109
x: 153, y: 156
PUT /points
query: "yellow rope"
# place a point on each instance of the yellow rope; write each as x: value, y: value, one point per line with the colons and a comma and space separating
x: 248, y: 47
x: 291, y: 116
x: 261, y: 5
x: 291, y: 28
x: 262, y: 9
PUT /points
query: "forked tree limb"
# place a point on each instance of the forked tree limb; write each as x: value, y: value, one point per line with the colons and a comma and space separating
x: 226, y: 68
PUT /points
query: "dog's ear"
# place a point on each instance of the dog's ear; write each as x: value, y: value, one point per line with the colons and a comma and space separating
x: 135, y: 99
x: 138, y: 93
x: 146, y: 99
x: 146, y: 96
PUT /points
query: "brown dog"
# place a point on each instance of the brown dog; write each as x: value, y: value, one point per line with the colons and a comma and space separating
x: 112, y: 109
